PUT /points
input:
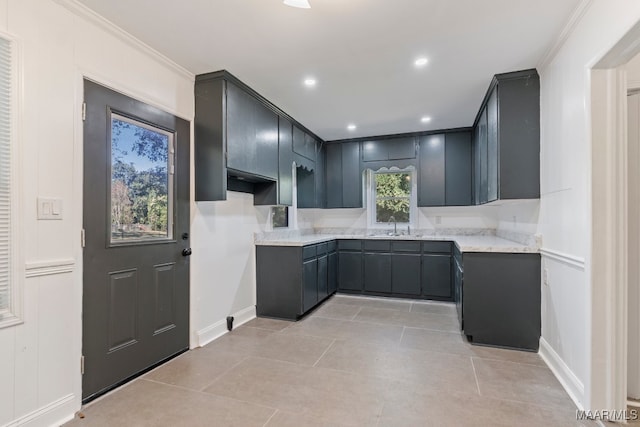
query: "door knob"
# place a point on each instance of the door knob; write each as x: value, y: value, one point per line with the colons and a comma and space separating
x: 186, y: 252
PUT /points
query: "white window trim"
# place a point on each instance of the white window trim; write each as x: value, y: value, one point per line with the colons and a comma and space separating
x: 14, y: 315
x: 371, y: 199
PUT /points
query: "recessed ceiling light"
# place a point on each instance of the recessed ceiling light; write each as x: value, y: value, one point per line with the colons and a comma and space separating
x: 301, y: 4
x: 425, y: 119
x: 421, y: 62
x: 352, y: 127
x: 310, y: 82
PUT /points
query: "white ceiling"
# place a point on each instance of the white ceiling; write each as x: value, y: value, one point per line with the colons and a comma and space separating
x: 360, y: 51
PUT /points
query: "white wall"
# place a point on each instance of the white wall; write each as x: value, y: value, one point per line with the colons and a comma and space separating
x: 223, y: 277
x: 565, y: 186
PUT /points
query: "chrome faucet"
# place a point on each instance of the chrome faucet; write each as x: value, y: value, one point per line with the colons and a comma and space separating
x: 395, y: 225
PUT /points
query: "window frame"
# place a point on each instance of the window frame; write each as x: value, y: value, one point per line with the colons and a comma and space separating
x: 371, y: 198
x: 13, y: 314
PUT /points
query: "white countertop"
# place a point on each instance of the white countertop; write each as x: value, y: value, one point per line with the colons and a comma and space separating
x: 464, y: 243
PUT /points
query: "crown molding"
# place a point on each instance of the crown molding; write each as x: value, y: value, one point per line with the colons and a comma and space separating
x: 91, y: 16
x: 570, y: 26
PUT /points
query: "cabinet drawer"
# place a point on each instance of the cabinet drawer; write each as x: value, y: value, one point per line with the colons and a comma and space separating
x: 350, y: 245
x: 406, y: 246
x: 436, y: 247
x: 321, y: 249
x: 377, y: 245
x: 309, y: 252
x: 331, y: 246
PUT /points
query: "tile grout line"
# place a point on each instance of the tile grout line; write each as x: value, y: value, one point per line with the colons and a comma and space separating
x: 224, y: 372
x: 324, y: 352
x: 270, y: 418
x: 356, y: 315
x: 475, y: 374
x: 402, y: 335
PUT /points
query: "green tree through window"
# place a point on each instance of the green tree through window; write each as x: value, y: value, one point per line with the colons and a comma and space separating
x: 393, y: 196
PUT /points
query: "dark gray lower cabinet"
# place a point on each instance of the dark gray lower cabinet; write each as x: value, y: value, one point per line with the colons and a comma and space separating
x: 332, y: 271
x: 436, y: 276
x: 291, y: 280
x: 310, y: 284
x: 405, y: 278
x: 323, y: 283
x: 501, y: 299
x: 377, y: 272
x: 350, y: 271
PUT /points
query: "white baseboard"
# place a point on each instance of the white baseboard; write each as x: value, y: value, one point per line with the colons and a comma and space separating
x: 55, y: 413
x: 567, y: 378
x: 211, y: 332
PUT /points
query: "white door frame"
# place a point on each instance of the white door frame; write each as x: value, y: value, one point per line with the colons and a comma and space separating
x: 609, y: 226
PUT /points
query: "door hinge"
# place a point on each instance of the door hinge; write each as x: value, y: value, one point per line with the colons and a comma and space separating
x: 82, y: 241
x: 84, y: 111
x: 82, y: 365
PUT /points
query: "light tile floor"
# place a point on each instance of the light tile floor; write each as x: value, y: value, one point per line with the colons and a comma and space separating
x: 353, y: 362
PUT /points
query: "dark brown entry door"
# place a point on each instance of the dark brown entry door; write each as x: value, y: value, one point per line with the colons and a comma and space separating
x: 136, y: 224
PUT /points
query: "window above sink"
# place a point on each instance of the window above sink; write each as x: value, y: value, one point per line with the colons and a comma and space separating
x: 391, y: 199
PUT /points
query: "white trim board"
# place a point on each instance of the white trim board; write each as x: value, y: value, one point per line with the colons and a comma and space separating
x: 84, y: 12
x: 218, y: 329
x: 50, y: 267
x: 574, y: 19
x: 569, y: 381
x: 570, y: 260
x: 54, y: 413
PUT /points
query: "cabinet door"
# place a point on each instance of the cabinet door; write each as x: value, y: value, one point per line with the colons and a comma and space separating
x: 323, y: 284
x: 332, y: 272
x: 309, y: 150
x: 431, y: 184
x: 266, y: 141
x: 334, y: 175
x: 405, y: 274
x: 436, y: 276
x: 373, y: 151
x: 350, y: 271
x: 377, y: 272
x: 482, y: 151
x: 306, y: 188
x: 298, y: 141
x: 458, y: 169
x: 241, y: 125
x: 285, y: 162
x: 310, y: 284
x: 351, y: 176
x: 401, y: 148
x: 320, y: 178
x: 492, y: 146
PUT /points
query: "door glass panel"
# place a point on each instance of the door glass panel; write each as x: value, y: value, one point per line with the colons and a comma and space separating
x: 142, y: 161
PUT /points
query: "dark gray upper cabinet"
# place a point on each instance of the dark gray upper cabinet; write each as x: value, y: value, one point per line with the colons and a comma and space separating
x: 304, y: 144
x: 351, y: 175
x: 343, y: 175
x: 334, y: 175
x: 458, y: 167
x: 285, y: 162
x: 245, y: 143
x: 507, y: 139
x: 492, y: 146
x: 389, y: 149
x: 431, y: 180
x: 319, y: 175
x: 252, y: 134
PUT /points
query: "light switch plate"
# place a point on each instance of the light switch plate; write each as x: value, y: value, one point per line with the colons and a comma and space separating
x: 49, y: 208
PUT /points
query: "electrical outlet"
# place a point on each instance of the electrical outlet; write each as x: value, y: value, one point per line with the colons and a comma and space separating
x: 515, y: 220
x: 545, y: 277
